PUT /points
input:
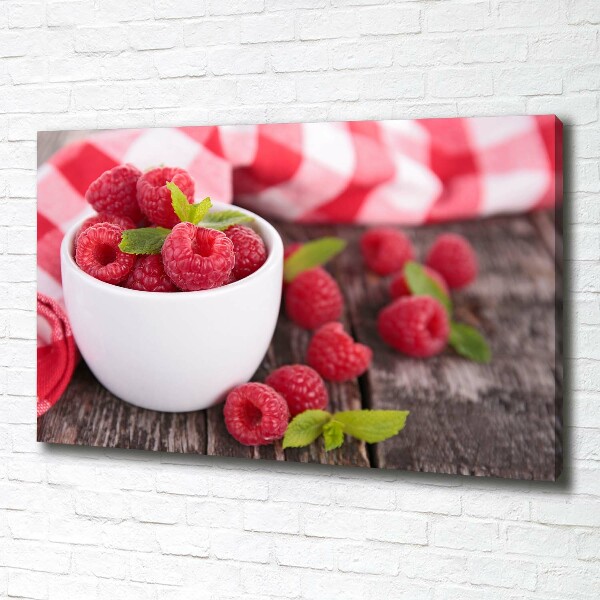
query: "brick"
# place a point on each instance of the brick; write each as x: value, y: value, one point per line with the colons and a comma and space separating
x: 562, y: 47
x: 388, y: 20
x: 369, y: 559
x: 460, y: 83
x: 352, y: 55
x: 446, y: 17
x: 211, y: 32
x: 465, y: 535
x: 235, y: 7
x: 304, y: 56
x: 15, y: 43
x: 156, y: 569
x: 575, y: 580
x: 102, y: 504
x: 486, y: 48
x: 583, y: 12
x: 25, y: 14
x: 309, y: 553
x: 271, y: 518
x: 528, y: 81
x: 69, y: 12
x: 184, y: 541
x: 502, y: 573
x: 267, y: 28
x: 158, y: 508
x: 240, y: 546
x: 333, y: 523
x: 574, y: 511
x: 133, y: 10
x: 361, y: 495
x: 515, y: 507
x: 25, y: 584
x: 514, y: 13
x: 235, y: 60
x: 318, y: 25
x: 541, y: 541
x: 180, y: 63
x: 100, y: 563
x: 177, y: 9
x: 108, y: 38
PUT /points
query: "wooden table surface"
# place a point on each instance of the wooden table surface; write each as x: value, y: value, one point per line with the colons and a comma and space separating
x: 501, y: 419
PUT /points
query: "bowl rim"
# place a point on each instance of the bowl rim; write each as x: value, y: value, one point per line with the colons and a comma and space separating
x: 275, y: 251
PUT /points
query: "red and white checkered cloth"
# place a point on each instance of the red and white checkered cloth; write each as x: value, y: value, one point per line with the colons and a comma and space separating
x: 402, y: 172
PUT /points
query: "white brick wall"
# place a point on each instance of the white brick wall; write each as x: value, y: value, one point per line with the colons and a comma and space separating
x: 87, y: 523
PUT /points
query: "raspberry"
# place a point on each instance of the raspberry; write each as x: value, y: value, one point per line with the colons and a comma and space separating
x: 398, y: 286
x: 149, y: 275
x: 98, y: 253
x: 454, y: 259
x: 122, y: 222
x: 313, y: 298
x: 385, y: 250
x: 197, y: 258
x: 255, y: 414
x: 114, y: 192
x: 335, y: 355
x: 415, y: 325
x: 301, y: 387
x: 155, y: 199
x: 249, y: 249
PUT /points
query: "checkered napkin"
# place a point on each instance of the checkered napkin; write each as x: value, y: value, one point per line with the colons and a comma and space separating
x: 402, y: 172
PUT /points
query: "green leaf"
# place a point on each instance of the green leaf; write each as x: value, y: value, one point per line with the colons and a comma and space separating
x: 179, y: 201
x: 190, y: 213
x: 333, y: 434
x: 468, y: 342
x: 223, y: 219
x: 420, y: 284
x: 198, y: 211
x: 305, y: 428
x: 372, y: 425
x: 310, y: 255
x: 147, y: 240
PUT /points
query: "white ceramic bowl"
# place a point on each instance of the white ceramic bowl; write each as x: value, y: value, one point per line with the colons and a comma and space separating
x: 174, y: 352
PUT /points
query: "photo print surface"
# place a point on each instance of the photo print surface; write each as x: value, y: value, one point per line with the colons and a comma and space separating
x: 383, y: 294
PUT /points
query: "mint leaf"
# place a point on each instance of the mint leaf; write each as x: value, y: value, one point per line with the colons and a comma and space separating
x: 333, y: 434
x: 468, y: 342
x: 198, y: 211
x: 147, y: 240
x: 420, y: 284
x: 305, y: 428
x: 310, y: 255
x: 190, y: 213
x: 222, y: 219
x: 372, y: 425
x: 179, y: 201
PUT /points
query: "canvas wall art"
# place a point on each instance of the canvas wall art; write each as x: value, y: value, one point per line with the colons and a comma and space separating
x: 383, y: 294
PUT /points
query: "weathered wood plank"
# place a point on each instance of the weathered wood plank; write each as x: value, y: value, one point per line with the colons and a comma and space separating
x: 496, y: 419
x: 89, y: 415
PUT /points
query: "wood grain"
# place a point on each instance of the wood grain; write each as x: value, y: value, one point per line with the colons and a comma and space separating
x: 501, y: 419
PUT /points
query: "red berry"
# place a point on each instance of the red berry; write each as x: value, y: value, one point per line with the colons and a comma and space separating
x: 114, y: 192
x: 302, y: 387
x: 154, y: 197
x: 415, y: 325
x: 454, y: 259
x: 385, y: 250
x: 335, y: 355
x: 313, y: 298
x: 122, y: 222
x: 148, y: 275
x: 98, y: 253
x: 249, y: 249
x: 399, y: 287
x: 255, y: 414
x: 197, y: 258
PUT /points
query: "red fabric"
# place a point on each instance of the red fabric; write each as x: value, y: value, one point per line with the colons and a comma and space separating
x: 56, y: 354
x: 394, y: 172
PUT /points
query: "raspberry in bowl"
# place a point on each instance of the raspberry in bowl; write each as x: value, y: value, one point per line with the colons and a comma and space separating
x: 177, y: 351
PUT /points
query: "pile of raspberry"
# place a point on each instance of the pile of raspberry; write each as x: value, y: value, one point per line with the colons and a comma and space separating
x: 415, y: 325
x: 192, y: 257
